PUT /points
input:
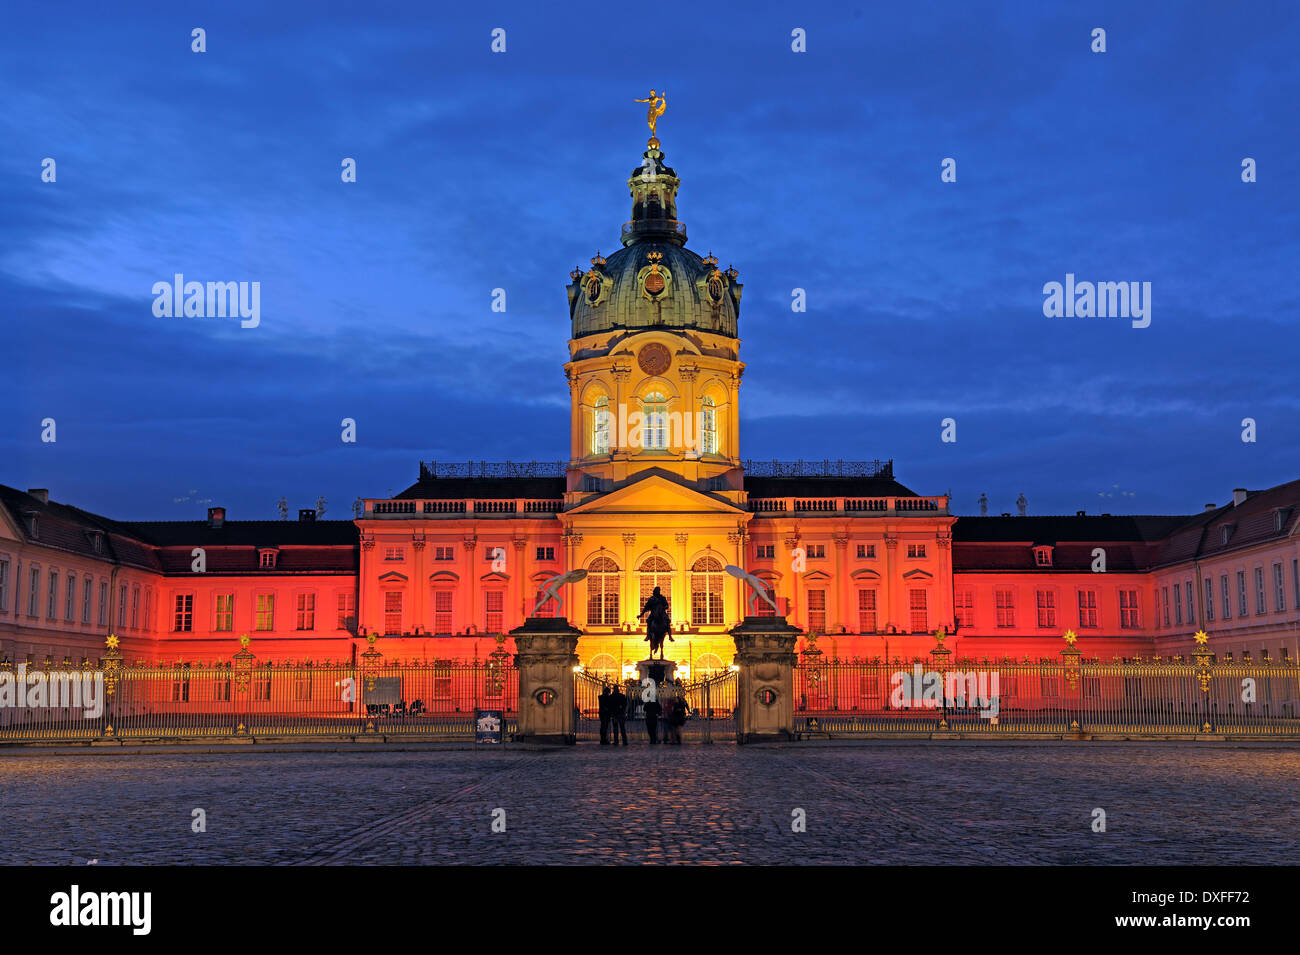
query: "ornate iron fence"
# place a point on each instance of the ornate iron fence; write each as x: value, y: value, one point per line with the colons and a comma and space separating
x: 1066, y: 697
x: 435, y: 700
x: 710, y: 702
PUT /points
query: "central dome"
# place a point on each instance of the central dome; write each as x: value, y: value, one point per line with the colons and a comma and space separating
x: 654, y: 281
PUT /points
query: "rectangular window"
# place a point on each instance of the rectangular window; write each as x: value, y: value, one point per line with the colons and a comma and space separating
x: 225, y: 622
x: 866, y: 551
x: 1208, y: 594
x: 765, y: 552
x: 866, y: 611
x: 135, y: 608
x: 180, y: 691
x: 394, y: 553
x: 1191, y: 602
x: 1243, y: 608
x: 445, y: 553
x: 70, y: 598
x: 964, y: 608
x: 148, y: 608
x: 1005, y: 603
x: 493, y: 604
x: 121, y: 607
x: 306, y: 612
x: 183, y: 616
x: 1046, y: 609
x: 103, y: 604
x: 918, y: 611
x: 34, y: 592
x: 1295, y: 583
x: 1178, y: 604
x: 4, y: 584
x: 546, y: 553
x: 52, y: 598
x: 1279, y: 589
x: 86, y: 587
x: 817, y: 611
x: 393, y: 612
x: 347, y: 610
x: 268, y: 559
x: 265, y: 612
x: 1227, y: 597
x: 442, y: 611
x: 1087, y: 609
x: 1165, y: 600
x: 816, y: 551
x: 915, y: 550
x: 1259, y: 591
x: 1128, y: 609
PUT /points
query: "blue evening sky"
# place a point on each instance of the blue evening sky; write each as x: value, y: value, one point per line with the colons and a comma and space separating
x: 478, y: 170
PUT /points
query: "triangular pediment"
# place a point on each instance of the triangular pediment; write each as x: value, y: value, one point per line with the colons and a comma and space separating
x: 655, y: 494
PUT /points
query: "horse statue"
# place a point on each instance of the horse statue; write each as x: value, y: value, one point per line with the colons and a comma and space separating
x: 657, y: 626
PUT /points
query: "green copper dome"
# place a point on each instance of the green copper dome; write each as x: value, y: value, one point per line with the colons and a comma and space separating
x: 654, y: 281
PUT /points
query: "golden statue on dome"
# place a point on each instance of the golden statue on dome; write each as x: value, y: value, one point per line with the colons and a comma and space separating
x: 657, y: 106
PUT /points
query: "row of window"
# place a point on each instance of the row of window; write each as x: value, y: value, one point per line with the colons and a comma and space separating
x: 223, y: 620
x: 654, y: 431
x: 1004, y: 601
x: 72, y: 599
x: 1178, y: 601
x: 818, y: 551
x: 448, y: 552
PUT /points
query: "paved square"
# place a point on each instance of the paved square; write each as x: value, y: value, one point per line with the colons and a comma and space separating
x: 904, y: 803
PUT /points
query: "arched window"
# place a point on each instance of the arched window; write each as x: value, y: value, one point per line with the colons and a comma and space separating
x: 706, y: 592
x: 708, y: 426
x: 654, y: 430
x: 600, y: 426
x: 706, y: 665
x: 655, y: 572
x: 604, y: 666
x: 602, y: 593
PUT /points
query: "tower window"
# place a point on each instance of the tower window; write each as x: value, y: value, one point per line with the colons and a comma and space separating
x: 600, y: 426
x: 655, y: 429
x: 708, y: 426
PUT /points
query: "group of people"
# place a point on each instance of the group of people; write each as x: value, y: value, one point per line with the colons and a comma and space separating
x: 671, y: 710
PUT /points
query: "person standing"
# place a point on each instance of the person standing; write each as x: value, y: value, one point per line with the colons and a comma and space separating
x: 618, y: 714
x: 652, y: 711
x: 605, y: 714
x: 677, y: 717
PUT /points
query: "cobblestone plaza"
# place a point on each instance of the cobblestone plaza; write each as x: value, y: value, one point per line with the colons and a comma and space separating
x: 870, y: 803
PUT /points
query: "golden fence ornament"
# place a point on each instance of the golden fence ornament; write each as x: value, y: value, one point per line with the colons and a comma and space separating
x: 243, y: 665
x: 112, y: 662
x: 370, y: 662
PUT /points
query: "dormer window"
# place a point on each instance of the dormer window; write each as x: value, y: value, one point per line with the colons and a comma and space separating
x: 96, y: 541
x: 266, y: 559
x: 1225, y: 530
x: 31, y: 521
x: 1280, y: 515
x: 1043, y: 556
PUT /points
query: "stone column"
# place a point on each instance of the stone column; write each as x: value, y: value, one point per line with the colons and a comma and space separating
x: 545, y: 654
x: 682, y: 585
x: 765, y: 681
x: 835, y: 612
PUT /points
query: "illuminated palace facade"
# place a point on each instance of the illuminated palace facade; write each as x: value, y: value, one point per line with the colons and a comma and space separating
x: 654, y: 492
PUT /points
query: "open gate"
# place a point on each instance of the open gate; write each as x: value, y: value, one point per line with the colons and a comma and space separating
x: 711, y: 706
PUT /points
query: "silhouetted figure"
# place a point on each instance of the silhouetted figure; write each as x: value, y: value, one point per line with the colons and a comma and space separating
x: 652, y: 711
x: 604, y: 704
x: 617, y: 714
x: 657, y: 626
x: 676, y: 717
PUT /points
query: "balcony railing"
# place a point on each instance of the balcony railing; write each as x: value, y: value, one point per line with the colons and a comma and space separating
x: 887, y: 506
x: 653, y: 227
x: 824, y: 468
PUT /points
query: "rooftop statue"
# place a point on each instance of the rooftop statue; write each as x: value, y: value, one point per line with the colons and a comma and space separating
x: 657, y: 106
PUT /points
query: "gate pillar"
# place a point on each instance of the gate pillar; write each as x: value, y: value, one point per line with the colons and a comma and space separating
x: 545, y: 654
x: 765, y: 679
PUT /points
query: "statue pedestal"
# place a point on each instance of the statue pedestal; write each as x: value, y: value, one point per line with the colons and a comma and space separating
x: 765, y: 681
x: 661, y: 671
x: 545, y: 654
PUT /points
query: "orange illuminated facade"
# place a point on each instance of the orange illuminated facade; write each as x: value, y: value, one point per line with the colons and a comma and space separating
x: 654, y: 492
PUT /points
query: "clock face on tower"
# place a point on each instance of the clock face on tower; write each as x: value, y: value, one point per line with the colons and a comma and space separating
x: 654, y: 359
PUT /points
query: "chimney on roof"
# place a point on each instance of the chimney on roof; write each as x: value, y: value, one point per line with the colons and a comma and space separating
x: 1211, y: 506
x: 306, y: 514
x: 1080, y: 513
x: 216, y: 516
x: 41, y: 494
x: 1238, y: 496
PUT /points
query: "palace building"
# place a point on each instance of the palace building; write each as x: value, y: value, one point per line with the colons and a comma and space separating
x: 654, y: 492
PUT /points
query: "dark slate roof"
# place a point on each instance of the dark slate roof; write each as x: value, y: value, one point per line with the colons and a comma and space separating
x: 1055, y: 529
x: 70, y: 529
x: 825, y: 487
x: 502, y: 488
x: 1252, y: 522
x: 246, y: 533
